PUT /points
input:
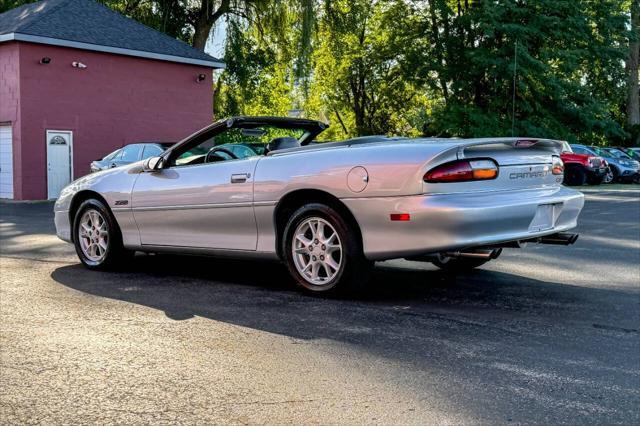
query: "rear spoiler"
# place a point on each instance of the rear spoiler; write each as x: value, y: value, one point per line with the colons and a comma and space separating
x: 551, y: 145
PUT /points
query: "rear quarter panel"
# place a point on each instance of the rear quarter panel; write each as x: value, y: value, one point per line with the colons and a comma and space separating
x: 392, y: 170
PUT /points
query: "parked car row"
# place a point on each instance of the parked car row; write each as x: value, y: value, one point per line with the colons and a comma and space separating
x: 129, y: 154
x: 594, y: 165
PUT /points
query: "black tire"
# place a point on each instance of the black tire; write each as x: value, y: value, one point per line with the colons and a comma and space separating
x: 460, y: 264
x: 595, y: 180
x: 574, y: 176
x: 354, y: 269
x: 616, y: 175
x: 114, y: 253
x: 608, y: 177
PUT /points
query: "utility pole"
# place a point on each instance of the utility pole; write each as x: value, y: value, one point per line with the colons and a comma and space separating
x: 513, y: 100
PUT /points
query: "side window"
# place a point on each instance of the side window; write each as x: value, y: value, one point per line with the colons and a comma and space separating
x: 151, y: 151
x: 195, y: 154
x: 131, y: 153
x: 578, y: 150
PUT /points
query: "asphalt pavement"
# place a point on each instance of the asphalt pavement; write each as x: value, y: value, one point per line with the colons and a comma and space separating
x: 544, y: 334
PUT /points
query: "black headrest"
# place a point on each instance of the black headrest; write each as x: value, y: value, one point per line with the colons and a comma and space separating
x: 282, y: 143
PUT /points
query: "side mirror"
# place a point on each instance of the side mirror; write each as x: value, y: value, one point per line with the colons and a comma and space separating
x: 152, y: 164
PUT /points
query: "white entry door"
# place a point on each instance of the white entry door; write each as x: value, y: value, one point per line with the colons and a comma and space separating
x: 59, y: 161
x: 6, y: 162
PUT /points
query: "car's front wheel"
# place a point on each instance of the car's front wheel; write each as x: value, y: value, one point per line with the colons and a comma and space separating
x: 595, y: 180
x: 96, y: 236
x: 608, y: 177
x: 574, y: 175
x: 322, y: 255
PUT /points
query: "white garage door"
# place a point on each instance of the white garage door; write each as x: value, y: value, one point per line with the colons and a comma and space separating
x: 6, y: 162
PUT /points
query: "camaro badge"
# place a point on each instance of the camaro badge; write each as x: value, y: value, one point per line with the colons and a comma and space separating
x: 122, y: 202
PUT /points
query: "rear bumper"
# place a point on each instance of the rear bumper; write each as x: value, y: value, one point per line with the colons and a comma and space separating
x: 443, y: 222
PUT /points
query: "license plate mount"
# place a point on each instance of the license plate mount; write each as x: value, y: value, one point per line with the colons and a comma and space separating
x: 545, y: 217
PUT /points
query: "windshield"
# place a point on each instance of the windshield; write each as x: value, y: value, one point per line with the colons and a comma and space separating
x: 112, y: 155
x: 618, y: 154
x: 236, y: 143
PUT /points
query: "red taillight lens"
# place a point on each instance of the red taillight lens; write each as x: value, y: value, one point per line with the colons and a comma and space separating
x: 463, y: 171
x: 557, y: 166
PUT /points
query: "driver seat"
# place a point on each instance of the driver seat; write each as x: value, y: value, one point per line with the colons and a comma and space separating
x: 285, y: 142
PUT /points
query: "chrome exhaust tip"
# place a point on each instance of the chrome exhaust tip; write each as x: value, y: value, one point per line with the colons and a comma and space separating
x: 476, y: 254
x: 560, y: 239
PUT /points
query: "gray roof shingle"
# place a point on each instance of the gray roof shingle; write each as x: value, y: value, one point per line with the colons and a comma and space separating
x: 90, y: 25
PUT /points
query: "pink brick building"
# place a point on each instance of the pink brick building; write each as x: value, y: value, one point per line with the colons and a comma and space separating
x: 78, y: 80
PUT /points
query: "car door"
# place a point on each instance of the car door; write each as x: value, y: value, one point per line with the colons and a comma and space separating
x: 206, y: 205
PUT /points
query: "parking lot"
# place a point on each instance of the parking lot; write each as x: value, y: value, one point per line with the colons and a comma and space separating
x: 543, y: 335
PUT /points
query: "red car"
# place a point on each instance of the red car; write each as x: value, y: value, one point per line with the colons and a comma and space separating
x: 582, y: 168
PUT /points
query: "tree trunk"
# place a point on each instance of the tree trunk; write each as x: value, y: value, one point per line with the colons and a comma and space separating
x: 207, y: 16
x: 633, y: 92
x: 201, y: 34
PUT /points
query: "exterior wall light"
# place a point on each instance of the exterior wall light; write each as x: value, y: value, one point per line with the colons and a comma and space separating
x: 45, y: 60
x: 200, y: 78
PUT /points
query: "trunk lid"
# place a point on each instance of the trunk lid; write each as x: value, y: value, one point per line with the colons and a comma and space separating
x: 522, y: 164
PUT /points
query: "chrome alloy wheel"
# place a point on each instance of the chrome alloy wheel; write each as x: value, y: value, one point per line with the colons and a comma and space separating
x: 317, y: 251
x: 93, y: 235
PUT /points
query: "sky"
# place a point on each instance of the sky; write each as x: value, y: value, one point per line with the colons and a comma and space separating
x: 215, y: 44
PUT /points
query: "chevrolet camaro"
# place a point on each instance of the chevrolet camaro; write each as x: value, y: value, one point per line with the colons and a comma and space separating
x: 327, y: 210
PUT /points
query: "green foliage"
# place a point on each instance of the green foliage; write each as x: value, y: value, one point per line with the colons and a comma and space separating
x: 446, y: 67
x: 412, y: 67
x: 569, y: 57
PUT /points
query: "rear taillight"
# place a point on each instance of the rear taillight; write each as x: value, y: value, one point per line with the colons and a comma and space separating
x: 557, y: 166
x: 463, y: 171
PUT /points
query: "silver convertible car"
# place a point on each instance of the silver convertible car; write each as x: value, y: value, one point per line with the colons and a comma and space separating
x: 262, y: 187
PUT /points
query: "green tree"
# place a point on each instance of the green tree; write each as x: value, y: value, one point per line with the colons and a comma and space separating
x: 633, y: 92
x: 358, y: 82
x: 568, y: 56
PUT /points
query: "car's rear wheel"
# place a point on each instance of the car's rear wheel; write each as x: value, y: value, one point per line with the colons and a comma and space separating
x: 453, y: 264
x: 321, y: 254
x: 574, y: 176
x: 96, y: 237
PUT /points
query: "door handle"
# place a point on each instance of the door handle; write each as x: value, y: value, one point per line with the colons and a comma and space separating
x: 240, y: 177
x: 113, y: 165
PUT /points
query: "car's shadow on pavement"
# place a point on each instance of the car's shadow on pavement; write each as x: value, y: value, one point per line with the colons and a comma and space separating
x: 230, y: 290
x: 448, y: 331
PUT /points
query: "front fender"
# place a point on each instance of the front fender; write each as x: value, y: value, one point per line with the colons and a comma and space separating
x: 115, y: 187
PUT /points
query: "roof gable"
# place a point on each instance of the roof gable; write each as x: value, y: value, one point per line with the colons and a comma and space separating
x: 89, y: 25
